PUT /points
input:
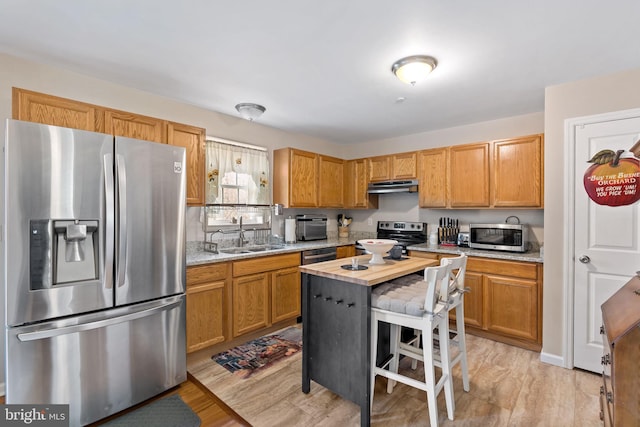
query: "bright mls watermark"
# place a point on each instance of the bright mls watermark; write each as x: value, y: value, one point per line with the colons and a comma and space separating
x: 35, y: 415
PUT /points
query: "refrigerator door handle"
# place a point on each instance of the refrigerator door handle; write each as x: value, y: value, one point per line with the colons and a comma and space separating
x: 108, y: 230
x: 95, y: 324
x: 122, y: 219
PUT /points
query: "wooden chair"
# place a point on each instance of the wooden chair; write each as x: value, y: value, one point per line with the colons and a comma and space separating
x: 414, y: 305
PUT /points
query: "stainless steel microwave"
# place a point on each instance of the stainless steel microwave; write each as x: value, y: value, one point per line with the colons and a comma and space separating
x: 311, y: 227
x: 499, y: 237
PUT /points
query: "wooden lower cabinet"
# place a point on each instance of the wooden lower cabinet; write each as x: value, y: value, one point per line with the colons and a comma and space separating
x: 474, y: 300
x: 285, y: 294
x: 250, y: 303
x: 207, y: 313
x: 265, y: 290
x: 505, y: 300
x: 345, y: 251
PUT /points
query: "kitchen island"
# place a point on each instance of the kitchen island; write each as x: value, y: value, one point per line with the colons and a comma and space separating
x: 336, y: 305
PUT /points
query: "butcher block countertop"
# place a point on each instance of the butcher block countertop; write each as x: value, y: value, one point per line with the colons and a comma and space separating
x: 373, y: 275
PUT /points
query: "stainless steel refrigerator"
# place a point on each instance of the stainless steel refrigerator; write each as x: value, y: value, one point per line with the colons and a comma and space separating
x: 94, y: 269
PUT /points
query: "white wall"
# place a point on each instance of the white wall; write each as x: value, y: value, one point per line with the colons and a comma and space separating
x: 615, y: 92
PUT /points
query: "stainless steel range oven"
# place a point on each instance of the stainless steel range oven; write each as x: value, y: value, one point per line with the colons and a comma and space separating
x: 406, y: 233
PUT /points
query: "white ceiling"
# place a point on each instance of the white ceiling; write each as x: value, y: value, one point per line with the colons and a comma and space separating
x: 322, y: 68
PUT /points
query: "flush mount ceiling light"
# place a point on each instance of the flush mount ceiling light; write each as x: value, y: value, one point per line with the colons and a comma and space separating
x: 413, y: 69
x: 250, y: 111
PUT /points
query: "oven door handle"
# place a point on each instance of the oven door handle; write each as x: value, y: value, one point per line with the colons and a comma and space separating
x: 331, y: 255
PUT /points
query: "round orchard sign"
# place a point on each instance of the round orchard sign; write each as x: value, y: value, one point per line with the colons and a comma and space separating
x: 613, y: 180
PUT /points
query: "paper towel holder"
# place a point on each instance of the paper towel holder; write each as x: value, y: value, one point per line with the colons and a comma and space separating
x: 290, y: 230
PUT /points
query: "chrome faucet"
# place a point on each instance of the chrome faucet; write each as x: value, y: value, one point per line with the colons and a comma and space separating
x: 241, y: 239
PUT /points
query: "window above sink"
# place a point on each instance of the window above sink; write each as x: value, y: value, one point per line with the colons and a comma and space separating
x: 237, y: 173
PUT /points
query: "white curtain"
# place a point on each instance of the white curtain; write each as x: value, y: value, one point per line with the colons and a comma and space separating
x: 237, y: 175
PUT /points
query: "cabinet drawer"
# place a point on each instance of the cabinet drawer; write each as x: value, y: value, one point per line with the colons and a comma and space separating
x: 206, y: 273
x: 524, y: 270
x: 267, y: 263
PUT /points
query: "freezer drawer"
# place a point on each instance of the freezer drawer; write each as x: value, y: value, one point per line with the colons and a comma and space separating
x: 101, y: 363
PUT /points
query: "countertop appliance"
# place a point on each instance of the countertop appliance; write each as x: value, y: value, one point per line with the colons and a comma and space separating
x: 463, y: 239
x: 94, y: 269
x: 500, y: 237
x: 311, y: 227
x: 393, y: 186
x: 406, y: 233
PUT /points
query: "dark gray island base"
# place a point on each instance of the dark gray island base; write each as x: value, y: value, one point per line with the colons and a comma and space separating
x: 336, y: 350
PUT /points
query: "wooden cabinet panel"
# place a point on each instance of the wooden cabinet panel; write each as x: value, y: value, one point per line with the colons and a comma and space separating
x: 207, y: 300
x: 52, y: 110
x: 250, y: 303
x: 524, y: 270
x: 267, y: 263
x: 331, y: 182
x: 380, y: 168
x: 517, y: 172
x: 356, y: 179
x: 206, y: 317
x: 285, y: 294
x: 345, y: 251
x: 473, y: 300
x: 432, y: 175
x: 469, y: 175
x: 192, y: 139
x: 404, y: 166
x: 295, y: 181
x: 511, y: 307
x: 620, y: 400
x: 120, y: 123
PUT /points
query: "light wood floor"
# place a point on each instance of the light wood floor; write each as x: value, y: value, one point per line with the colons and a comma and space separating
x: 211, y: 410
x: 509, y: 387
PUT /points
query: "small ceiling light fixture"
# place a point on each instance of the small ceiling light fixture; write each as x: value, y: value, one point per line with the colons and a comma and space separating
x: 250, y: 111
x: 413, y: 69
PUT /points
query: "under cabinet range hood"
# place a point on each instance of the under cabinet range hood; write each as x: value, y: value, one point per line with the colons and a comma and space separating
x: 393, y: 186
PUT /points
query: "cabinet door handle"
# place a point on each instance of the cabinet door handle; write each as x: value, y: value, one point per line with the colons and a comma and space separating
x: 339, y: 301
x: 609, y: 397
x: 317, y: 296
x: 351, y: 304
x: 328, y: 298
x: 601, y: 330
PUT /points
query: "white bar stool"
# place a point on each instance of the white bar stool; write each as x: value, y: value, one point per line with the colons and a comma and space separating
x: 415, y: 306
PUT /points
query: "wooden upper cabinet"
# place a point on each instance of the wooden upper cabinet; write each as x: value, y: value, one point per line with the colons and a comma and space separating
x: 52, y: 110
x: 432, y: 175
x: 356, y: 182
x: 394, y: 166
x: 192, y: 139
x: 404, y: 166
x: 380, y: 168
x: 469, y: 175
x: 331, y: 182
x: 517, y: 172
x: 121, y: 123
x: 295, y: 181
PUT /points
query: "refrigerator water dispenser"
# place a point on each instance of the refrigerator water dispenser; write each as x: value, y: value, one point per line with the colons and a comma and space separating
x: 63, y: 252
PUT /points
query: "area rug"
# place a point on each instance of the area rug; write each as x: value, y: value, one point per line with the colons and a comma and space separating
x: 247, y: 359
x: 170, y: 411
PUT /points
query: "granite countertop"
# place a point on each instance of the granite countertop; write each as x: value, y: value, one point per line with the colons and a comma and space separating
x: 196, y: 254
x: 531, y: 256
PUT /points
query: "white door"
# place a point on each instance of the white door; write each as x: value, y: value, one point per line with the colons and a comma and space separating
x: 607, y: 238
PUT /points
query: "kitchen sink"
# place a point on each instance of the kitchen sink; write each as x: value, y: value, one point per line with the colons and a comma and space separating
x: 249, y: 249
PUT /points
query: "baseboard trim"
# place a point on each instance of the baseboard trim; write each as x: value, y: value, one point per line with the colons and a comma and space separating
x: 552, y: 359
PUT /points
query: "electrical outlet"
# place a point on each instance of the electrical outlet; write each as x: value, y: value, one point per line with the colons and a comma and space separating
x: 369, y: 221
